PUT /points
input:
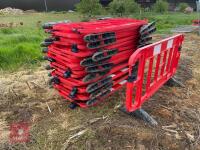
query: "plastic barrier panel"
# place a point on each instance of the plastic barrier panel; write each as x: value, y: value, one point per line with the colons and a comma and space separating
x: 149, y: 68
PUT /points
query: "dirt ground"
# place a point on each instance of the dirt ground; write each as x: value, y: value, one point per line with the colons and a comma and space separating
x: 25, y: 96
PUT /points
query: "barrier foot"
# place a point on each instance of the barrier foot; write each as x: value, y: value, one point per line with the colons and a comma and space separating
x: 174, y: 82
x: 141, y: 114
x: 72, y: 105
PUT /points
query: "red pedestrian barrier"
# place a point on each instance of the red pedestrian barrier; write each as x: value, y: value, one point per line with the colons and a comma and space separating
x: 161, y: 59
x: 196, y: 22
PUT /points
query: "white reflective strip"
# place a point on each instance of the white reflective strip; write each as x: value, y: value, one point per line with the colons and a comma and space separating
x: 170, y: 43
x: 124, y: 70
x: 112, y: 75
x: 157, y: 49
x: 123, y: 82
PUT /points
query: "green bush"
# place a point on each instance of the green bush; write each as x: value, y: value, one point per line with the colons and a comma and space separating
x: 161, y: 6
x: 131, y: 6
x: 119, y: 7
x: 182, y: 6
x: 89, y: 7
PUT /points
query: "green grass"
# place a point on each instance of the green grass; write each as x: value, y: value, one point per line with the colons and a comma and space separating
x: 19, y: 46
x: 165, y: 22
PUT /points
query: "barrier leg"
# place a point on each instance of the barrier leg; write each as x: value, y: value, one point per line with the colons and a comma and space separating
x: 72, y: 105
x: 174, y: 82
x: 141, y: 114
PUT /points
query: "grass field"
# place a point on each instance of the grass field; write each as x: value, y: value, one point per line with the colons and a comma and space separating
x: 26, y: 96
x: 19, y: 46
x: 165, y: 22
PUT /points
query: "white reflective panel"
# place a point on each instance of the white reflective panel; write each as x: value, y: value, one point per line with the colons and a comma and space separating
x: 170, y: 43
x: 157, y: 49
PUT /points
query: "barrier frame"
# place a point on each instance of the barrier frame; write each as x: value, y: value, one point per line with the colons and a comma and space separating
x: 165, y: 68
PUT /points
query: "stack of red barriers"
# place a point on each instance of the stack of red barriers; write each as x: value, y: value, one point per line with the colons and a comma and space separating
x: 89, y: 60
x: 196, y: 22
